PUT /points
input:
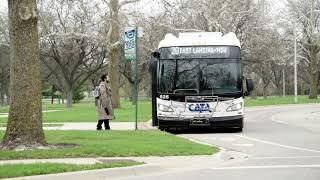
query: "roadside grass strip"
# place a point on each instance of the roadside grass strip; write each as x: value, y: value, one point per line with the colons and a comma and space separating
x: 277, y: 100
x: 87, y: 112
x: 19, y: 170
x: 112, y: 144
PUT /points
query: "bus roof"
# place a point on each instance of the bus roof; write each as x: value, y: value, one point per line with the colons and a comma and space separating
x: 200, y: 39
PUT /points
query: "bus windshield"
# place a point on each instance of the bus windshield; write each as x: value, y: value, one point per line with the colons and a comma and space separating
x: 202, y: 76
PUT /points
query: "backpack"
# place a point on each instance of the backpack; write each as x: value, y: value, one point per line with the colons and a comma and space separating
x: 96, y: 92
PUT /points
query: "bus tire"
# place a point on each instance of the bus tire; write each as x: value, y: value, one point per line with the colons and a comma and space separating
x: 161, y: 128
x: 239, y: 129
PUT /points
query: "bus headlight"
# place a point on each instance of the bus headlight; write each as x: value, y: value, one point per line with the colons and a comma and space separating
x: 164, y: 108
x: 235, y: 107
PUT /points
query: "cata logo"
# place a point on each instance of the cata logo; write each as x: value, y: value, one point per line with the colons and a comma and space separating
x: 130, y: 34
x: 201, y: 107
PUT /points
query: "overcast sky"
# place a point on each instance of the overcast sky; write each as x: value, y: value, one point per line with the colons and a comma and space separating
x: 3, y: 5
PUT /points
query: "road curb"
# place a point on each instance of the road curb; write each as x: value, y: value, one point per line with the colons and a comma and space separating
x: 224, y: 154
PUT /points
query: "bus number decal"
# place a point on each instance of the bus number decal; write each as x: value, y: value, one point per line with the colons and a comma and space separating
x: 164, y: 96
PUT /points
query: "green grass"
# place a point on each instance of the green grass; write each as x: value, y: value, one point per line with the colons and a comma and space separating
x: 18, y: 170
x: 113, y: 144
x: 87, y: 112
x: 278, y: 100
x: 4, y: 109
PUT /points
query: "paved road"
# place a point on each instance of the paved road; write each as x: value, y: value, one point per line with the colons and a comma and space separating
x: 277, y: 143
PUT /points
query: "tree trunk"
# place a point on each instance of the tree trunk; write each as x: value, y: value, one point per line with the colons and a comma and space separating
x: 264, y: 89
x: 8, y: 97
x: 52, y: 94
x: 265, y: 92
x: 2, y: 103
x: 24, y: 128
x: 313, y: 74
x: 69, y: 98
x: 113, y: 66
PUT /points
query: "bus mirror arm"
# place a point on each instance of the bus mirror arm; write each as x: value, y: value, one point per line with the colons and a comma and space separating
x: 250, y: 87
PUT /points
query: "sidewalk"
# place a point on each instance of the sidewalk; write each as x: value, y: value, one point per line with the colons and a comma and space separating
x: 93, y: 126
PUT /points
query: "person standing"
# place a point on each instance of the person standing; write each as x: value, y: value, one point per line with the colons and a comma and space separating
x: 104, y: 106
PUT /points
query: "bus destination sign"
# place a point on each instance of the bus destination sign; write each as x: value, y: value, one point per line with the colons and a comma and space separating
x: 199, y: 52
x: 219, y: 51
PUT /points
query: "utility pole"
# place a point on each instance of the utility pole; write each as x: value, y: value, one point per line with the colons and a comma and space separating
x: 283, y: 83
x: 136, y: 84
x: 295, y: 66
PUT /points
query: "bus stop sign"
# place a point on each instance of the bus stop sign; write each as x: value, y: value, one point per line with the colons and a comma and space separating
x: 130, y: 43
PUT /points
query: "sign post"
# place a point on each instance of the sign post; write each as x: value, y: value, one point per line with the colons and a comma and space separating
x: 131, y: 53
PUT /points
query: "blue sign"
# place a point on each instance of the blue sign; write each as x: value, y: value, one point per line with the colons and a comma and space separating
x: 201, y: 107
x: 130, y: 34
x: 130, y: 43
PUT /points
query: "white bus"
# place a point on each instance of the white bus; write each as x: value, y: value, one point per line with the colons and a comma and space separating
x: 197, y: 80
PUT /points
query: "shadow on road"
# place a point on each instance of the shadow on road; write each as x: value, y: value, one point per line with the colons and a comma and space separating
x: 203, y: 130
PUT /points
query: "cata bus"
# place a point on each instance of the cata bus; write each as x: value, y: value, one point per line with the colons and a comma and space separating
x: 197, y: 80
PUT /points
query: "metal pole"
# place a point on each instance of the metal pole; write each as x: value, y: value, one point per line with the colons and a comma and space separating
x: 295, y: 66
x: 136, y: 80
x: 283, y: 83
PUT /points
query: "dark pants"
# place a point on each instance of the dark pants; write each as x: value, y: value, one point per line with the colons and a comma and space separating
x: 106, y: 124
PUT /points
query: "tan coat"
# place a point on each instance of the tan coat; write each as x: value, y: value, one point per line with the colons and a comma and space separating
x: 104, y: 102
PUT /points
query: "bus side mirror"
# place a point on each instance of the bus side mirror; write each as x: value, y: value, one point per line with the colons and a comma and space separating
x: 152, y: 64
x: 250, y: 87
x: 153, y: 61
x: 156, y: 55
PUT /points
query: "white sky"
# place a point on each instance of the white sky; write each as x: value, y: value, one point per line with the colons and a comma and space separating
x: 3, y: 5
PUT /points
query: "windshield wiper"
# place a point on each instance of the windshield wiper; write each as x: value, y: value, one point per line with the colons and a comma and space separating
x: 196, y: 90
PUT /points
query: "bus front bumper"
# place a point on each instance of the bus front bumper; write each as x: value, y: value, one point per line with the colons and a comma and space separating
x: 214, y: 122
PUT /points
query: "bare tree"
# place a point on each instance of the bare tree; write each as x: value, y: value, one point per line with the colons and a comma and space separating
x: 72, y: 49
x: 4, y: 29
x: 72, y: 59
x: 4, y: 73
x: 307, y: 22
x: 24, y: 129
x: 113, y: 45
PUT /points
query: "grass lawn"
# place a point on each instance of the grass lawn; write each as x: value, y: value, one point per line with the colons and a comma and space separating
x: 18, y: 170
x: 277, y: 100
x: 4, y: 109
x: 113, y: 144
x: 86, y: 112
